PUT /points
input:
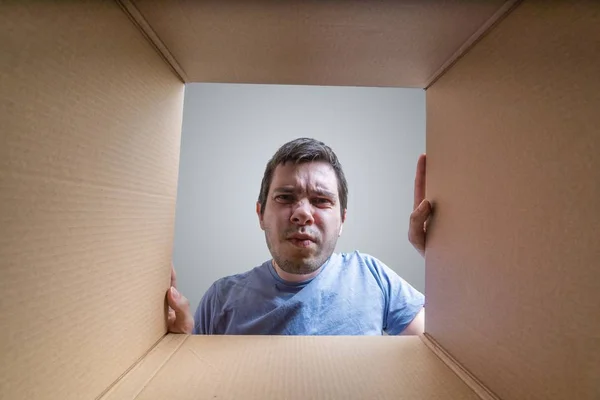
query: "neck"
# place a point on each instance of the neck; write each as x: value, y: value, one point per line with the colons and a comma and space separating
x: 294, y: 278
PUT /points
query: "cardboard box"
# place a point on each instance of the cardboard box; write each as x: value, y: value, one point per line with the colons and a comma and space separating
x: 91, y: 97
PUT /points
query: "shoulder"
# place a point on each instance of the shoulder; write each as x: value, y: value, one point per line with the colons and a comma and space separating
x: 368, y: 267
x: 363, y: 261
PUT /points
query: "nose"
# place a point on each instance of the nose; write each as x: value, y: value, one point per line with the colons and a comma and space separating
x: 302, y: 214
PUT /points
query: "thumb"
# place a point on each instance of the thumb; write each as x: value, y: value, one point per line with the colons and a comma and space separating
x: 184, y: 322
x: 416, y: 230
x: 177, y: 302
x: 419, y: 216
x: 174, y: 297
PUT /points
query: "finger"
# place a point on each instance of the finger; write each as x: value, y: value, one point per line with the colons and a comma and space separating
x: 420, y: 215
x: 184, y: 322
x: 173, y: 276
x: 177, y: 302
x: 171, y: 316
x: 416, y: 231
x: 420, y: 181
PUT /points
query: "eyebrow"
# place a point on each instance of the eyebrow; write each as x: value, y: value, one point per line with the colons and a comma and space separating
x: 319, y: 191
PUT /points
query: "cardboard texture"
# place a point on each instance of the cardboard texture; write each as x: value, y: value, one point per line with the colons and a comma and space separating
x: 91, y: 99
x: 293, y: 367
x: 352, y: 43
x: 468, y: 378
x: 140, y: 375
x: 513, y: 259
x: 90, y: 124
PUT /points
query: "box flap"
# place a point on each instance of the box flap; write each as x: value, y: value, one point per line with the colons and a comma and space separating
x: 90, y: 121
x: 141, y: 373
x: 513, y: 258
x: 352, y: 43
x: 296, y: 367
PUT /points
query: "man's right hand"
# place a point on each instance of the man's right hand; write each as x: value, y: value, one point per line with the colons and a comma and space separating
x: 179, y: 319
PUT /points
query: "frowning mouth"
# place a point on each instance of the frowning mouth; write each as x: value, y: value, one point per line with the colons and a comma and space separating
x: 300, y: 243
x: 301, y: 240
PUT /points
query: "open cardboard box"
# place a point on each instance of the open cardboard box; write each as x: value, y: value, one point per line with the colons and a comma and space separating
x: 91, y: 106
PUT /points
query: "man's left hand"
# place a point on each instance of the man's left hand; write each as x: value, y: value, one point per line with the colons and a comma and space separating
x: 421, y: 209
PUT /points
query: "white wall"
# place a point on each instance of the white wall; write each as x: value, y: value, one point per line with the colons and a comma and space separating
x: 230, y: 132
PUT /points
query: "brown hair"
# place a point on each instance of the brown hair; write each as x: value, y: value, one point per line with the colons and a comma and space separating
x: 299, y: 151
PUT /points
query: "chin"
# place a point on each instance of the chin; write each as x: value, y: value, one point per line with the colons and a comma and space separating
x: 298, y: 265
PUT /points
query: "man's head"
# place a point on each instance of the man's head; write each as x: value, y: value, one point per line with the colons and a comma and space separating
x: 302, y: 205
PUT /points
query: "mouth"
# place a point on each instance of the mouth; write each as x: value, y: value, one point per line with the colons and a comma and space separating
x: 300, y: 240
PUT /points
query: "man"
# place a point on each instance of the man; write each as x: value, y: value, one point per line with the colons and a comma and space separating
x: 307, y: 289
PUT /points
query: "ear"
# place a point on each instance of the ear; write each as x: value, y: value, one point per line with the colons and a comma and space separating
x: 342, y: 224
x: 260, y: 216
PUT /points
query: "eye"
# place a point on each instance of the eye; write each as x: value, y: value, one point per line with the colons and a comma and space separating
x: 322, y: 201
x: 284, y: 198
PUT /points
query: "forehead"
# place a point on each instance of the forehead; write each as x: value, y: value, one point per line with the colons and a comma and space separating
x: 305, y: 176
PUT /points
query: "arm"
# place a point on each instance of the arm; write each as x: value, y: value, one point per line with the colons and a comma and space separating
x: 403, y: 303
x: 417, y: 326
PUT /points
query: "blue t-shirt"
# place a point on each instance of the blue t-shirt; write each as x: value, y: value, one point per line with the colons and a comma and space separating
x: 353, y: 294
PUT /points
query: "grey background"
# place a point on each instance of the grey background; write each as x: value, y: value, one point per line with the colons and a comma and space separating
x: 229, y: 133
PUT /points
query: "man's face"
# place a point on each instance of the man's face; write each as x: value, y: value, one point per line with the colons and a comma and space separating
x: 302, y: 219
